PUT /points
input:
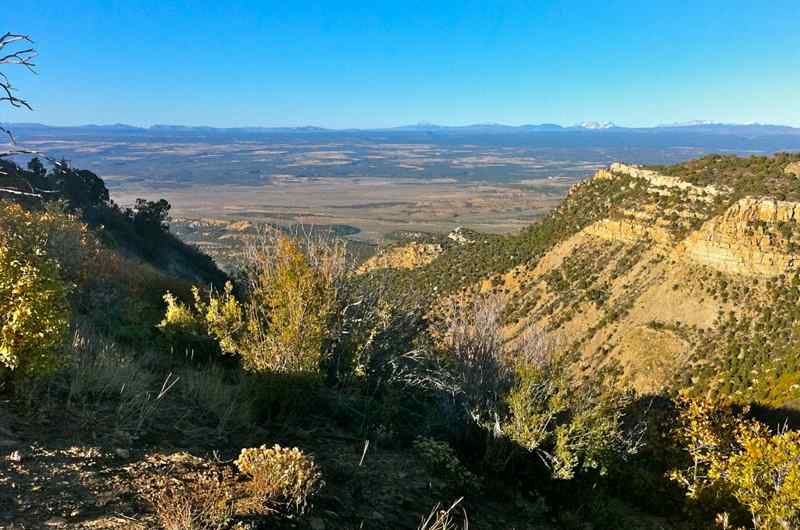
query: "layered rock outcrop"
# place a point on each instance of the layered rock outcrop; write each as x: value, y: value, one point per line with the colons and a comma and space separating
x: 661, y: 183
x: 403, y: 257
x: 754, y: 237
x: 628, y: 231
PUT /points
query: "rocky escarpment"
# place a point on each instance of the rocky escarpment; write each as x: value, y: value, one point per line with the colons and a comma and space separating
x: 753, y: 237
x: 407, y: 256
x: 665, y: 210
x: 793, y: 169
x: 679, y: 276
x: 661, y: 184
x: 630, y: 230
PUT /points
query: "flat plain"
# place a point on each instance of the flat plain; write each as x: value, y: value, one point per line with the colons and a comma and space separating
x: 368, y: 186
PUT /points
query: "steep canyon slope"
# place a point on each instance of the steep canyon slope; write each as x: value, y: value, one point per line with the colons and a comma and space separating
x: 681, y: 276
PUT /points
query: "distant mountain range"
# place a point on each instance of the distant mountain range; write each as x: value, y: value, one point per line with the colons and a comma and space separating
x: 703, y: 127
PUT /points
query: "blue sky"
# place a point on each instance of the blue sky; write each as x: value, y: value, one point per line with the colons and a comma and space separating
x: 385, y: 63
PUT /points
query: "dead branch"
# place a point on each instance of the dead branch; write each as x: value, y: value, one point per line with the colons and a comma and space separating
x: 22, y: 57
x: 11, y: 53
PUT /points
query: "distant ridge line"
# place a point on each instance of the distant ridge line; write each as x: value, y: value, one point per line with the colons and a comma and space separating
x: 589, y: 127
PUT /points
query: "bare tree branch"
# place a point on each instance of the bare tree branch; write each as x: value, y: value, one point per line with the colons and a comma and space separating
x: 19, y: 57
x: 22, y: 57
x: 20, y: 193
x: 10, y: 135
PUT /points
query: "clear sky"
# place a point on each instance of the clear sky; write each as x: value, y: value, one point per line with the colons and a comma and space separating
x: 383, y: 63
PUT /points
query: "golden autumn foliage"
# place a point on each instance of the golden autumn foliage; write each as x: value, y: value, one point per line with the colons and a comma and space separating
x: 205, y: 325
x: 224, y: 317
x: 280, y: 476
x: 764, y: 475
x: 733, y: 457
x: 179, y: 319
x: 707, y: 432
x: 34, y: 312
x: 284, y: 323
x: 293, y: 297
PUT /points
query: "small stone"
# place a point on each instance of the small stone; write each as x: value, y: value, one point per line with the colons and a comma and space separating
x: 56, y: 521
x: 122, y: 453
x: 317, y: 523
x: 15, y: 456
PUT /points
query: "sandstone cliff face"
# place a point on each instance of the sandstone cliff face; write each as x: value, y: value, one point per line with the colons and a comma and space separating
x: 661, y: 183
x: 659, y: 290
x: 628, y: 231
x: 404, y: 257
x: 753, y: 237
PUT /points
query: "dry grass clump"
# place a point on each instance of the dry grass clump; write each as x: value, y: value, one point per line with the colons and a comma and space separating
x: 280, y: 477
x: 205, y: 503
x: 441, y: 519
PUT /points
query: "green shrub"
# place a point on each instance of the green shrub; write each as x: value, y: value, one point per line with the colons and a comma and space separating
x: 440, y: 458
x: 181, y: 326
x: 571, y: 425
x: 290, y: 304
x: 34, y: 312
x: 208, y: 327
x: 764, y: 476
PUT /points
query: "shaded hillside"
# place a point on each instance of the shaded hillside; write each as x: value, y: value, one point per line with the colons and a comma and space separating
x: 140, y: 232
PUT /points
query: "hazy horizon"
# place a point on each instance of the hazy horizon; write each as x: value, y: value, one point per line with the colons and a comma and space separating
x: 423, y: 123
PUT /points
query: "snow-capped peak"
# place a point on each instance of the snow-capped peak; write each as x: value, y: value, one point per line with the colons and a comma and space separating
x: 596, y: 125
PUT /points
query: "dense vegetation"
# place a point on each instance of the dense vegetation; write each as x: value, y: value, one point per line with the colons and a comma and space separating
x: 140, y: 231
x: 755, y: 175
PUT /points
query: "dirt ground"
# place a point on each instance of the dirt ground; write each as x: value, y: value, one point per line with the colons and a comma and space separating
x: 56, y: 475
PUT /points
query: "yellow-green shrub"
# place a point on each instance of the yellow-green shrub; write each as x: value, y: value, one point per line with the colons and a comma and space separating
x: 179, y: 319
x: 291, y: 303
x: 706, y: 430
x: 207, y: 326
x: 224, y: 317
x: 764, y: 475
x: 286, y: 322
x: 571, y: 425
x: 34, y: 312
x: 736, y: 458
x: 280, y: 476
